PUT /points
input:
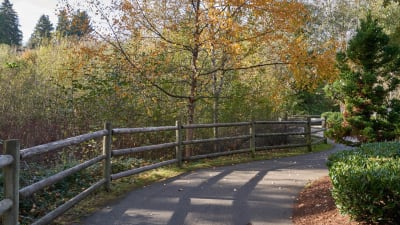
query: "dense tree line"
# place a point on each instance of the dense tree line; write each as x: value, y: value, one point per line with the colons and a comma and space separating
x: 75, y: 25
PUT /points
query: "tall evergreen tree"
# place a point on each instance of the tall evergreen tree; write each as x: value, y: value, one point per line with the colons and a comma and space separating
x: 42, y: 32
x: 77, y: 25
x: 63, y: 24
x: 9, y: 25
x: 80, y: 24
x: 369, y: 72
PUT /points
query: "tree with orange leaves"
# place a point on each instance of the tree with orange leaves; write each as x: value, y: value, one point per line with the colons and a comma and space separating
x: 188, y: 49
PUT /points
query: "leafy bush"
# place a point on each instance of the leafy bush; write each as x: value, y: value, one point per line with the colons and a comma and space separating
x: 334, y: 124
x: 366, y: 182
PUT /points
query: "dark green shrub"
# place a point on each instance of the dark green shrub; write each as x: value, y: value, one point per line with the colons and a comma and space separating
x: 366, y: 182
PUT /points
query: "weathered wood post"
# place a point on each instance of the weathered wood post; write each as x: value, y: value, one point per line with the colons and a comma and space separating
x: 252, y: 132
x: 107, y: 140
x: 216, y: 135
x: 308, y: 134
x: 285, y: 128
x: 323, y: 125
x: 179, y: 146
x: 11, y: 182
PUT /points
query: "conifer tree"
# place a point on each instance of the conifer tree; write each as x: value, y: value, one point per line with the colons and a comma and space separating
x: 369, y: 72
x: 9, y: 25
x: 77, y: 25
x: 63, y: 24
x: 42, y: 32
x: 80, y: 24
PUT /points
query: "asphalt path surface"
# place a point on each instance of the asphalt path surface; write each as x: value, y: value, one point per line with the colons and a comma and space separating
x: 256, y: 193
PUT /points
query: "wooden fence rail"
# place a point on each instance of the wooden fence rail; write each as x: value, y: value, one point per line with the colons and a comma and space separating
x: 9, y: 162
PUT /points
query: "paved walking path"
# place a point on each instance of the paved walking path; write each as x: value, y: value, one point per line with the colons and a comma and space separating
x: 259, y: 193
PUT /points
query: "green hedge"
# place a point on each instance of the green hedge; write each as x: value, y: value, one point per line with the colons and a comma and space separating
x: 366, y: 182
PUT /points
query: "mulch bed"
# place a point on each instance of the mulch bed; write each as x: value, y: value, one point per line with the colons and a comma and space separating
x: 315, y: 206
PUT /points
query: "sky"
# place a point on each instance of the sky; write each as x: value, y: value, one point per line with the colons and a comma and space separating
x: 29, y: 12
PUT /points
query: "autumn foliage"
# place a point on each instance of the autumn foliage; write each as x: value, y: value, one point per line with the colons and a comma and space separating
x: 153, y: 62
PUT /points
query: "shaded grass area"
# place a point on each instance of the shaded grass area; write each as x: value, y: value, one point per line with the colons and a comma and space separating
x: 122, y: 186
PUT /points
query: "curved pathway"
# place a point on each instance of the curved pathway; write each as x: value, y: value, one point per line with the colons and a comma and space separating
x: 256, y: 193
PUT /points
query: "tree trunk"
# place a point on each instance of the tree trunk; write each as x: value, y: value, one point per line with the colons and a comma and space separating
x: 191, y: 107
x: 190, y: 120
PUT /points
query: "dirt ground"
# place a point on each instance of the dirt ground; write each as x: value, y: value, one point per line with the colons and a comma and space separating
x: 315, y: 206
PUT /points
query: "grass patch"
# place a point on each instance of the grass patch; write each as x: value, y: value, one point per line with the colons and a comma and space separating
x: 122, y: 186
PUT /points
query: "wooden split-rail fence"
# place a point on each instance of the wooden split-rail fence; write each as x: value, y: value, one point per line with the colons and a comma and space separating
x: 10, y: 160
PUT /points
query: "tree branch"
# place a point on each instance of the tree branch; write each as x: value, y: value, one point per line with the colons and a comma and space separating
x: 244, y: 67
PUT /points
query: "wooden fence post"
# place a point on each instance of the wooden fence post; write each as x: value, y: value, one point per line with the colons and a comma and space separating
x: 253, y: 138
x: 107, y: 140
x: 285, y: 127
x: 308, y: 134
x: 323, y: 125
x: 179, y: 146
x: 11, y: 182
x: 216, y: 135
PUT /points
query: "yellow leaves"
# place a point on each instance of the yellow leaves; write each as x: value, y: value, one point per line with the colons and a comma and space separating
x: 325, y: 64
x: 237, y: 2
x: 310, y: 66
x: 29, y: 56
x: 218, y: 22
x: 235, y: 48
x: 126, y: 5
x: 180, y: 40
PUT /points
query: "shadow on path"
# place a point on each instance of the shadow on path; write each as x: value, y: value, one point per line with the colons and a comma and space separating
x: 261, y: 192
